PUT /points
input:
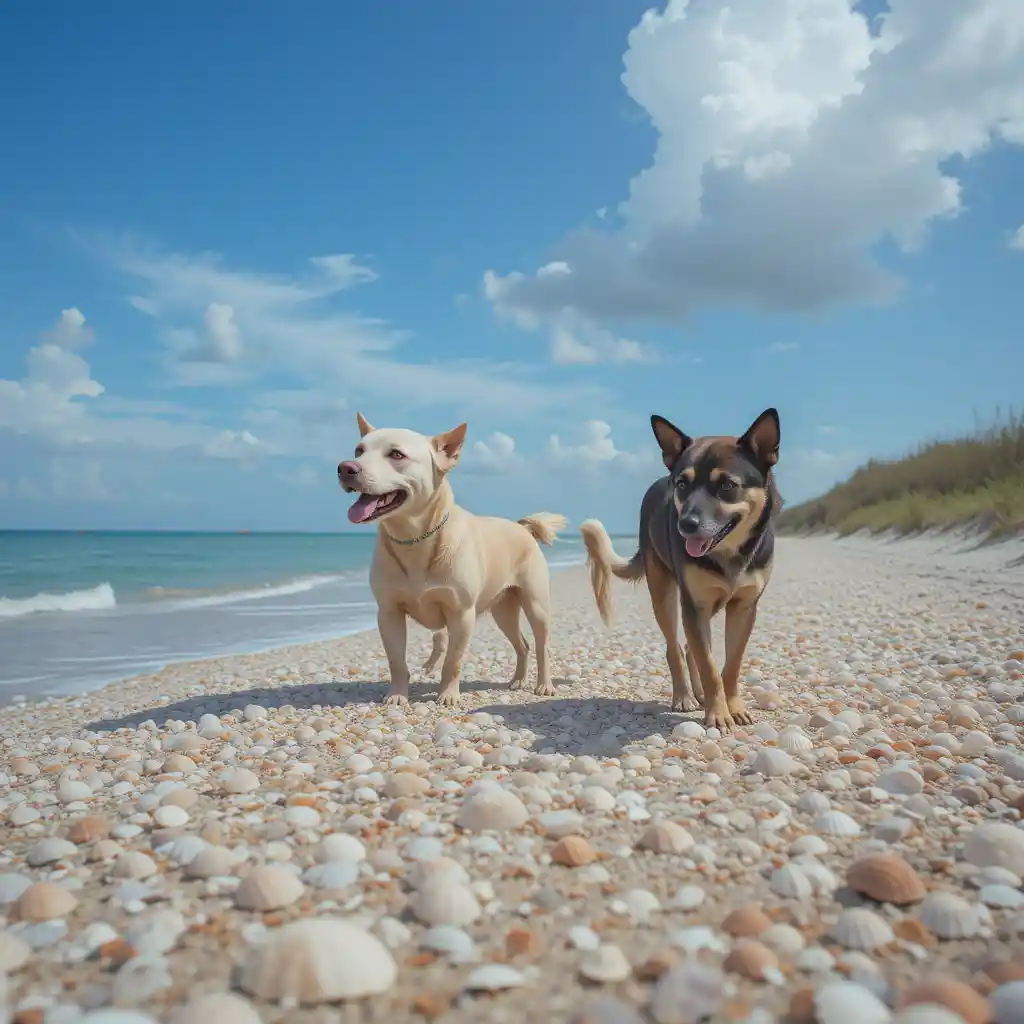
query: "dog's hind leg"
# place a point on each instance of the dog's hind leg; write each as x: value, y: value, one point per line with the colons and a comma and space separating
x: 506, y: 612
x: 739, y: 624
x: 440, y: 640
x: 695, y: 683
x: 535, y: 596
x: 665, y: 601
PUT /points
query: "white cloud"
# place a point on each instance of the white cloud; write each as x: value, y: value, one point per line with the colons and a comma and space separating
x: 781, y: 347
x: 495, y: 454
x: 234, y: 445
x: 595, y: 449
x: 223, y: 343
x: 1017, y: 239
x: 71, y: 330
x: 791, y: 141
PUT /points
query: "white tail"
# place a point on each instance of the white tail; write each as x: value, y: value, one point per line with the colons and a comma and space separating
x: 605, y: 563
x: 544, y: 526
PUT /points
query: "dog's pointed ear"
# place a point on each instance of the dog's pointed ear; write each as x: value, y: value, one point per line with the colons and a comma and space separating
x: 762, y: 438
x: 672, y: 441
x: 364, y: 425
x: 448, y: 446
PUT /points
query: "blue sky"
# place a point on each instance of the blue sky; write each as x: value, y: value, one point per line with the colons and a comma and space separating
x: 221, y: 234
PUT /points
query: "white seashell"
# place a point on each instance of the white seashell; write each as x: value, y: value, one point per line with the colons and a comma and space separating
x: 995, y: 876
x: 860, y: 928
x: 813, y: 802
x: 789, y: 880
x: 445, y: 901
x: 822, y: 880
x: 927, y: 1013
x: 455, y: 943
x: 134, y: 865
x: 268, y: 888
x: 427, y: 872
x: 773, y: 762
x: 334, y: 875
x: 794, y: 740
x: 765, y: 731
x: 996, y: 844
x: 1008, y: 1003
x: 836, y: 823
x: 949, y: 916
x: 688, y: 731
x: 975, y: 743
x: 696, y: 938
x: 843, y: 1002
x: 900, y: 782
x: 687, y: 897
x: 318, y: 960
x: 1002, y: 896
x: 666, y: 837
x: 809, y: 844
x: 211, y: 862
x: 492, y: 809
x: 815, y: 960
x: 688, y: 993
x: 606, y: 964
x: 222, y: 1007
x: 494, y: 978
x: 340, y: 846
x: 782, y: 938
x: 49, y: 851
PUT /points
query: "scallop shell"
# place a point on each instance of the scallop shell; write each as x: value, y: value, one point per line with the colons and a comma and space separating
x: 752, y: 960
x: 699, y: 987
x: 900, y: 782
x: 783, y: 939
x: 836, y: 823
x: 445, y: 901
x: 492, y: 808
x: 212, y: 862
x: 789, y: 880
x: 840, y: 1002
x: 223, y: 1007
x: 666, y: 837
x: 573, y: 852
x: 996, y: 844
x: 427, y: 872
x: 949, y: 916
x: 318, y: 960
x: 928, y: 1013
x: 773, y: 762
x: 793, y: 740
x: 954, y: 995
x: 813, y: 802
x: 809, y: 844
x: 133, y: 864
x: 887, y: 878
x: 88, y: 829
x: 823, y: 881
x: 746, y: 921
x: 268, y: 888
x: 45, y: 901
x: 860, y: 928
x: 1008, y: 1001
x: 606, y: 964
x: 340, y: 846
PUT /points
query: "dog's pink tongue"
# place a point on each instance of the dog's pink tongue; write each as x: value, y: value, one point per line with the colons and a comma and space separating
x: 698, y: 547
x: 362, y: 508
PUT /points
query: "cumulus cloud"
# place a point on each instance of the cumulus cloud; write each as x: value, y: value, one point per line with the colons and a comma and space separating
x: 495, y: 454
x: 234, y: 445
x: 595, y: 448
x: 1017, y: 239
x: 792, y: 138
x: 70, y: 330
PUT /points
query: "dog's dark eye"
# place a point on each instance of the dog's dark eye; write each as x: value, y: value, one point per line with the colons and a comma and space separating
x: 727, y: 488
x: 396, y: 455
x: 359, y: 451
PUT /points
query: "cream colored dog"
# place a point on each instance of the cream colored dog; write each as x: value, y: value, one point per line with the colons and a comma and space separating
x: 440, y: 565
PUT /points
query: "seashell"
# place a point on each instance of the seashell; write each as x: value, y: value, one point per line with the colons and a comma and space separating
x: 996, y: 844
x: 606, y: 964
x: 887, y: 878
x: 49, y: 851
x: 927, y: 1013
x: 445, y: 901
x: 1007, y: 1002
x: 223, y: 1007
x: 949, y: 916
x: 1004, y: 897
x: 752, y: 960
x: 573, y: 852
x: 900, y: 782
x: 793, y: 740
x: 975, y: 743
x: 860, y: 928
x: 666, y: 837
x: 268, y: 888
x: 318, y: 960
x: 783, y: 939
x: 494, y: 978
x: 45, y: 901
x: 238, y: 781
x: 426, y: 872
x: 813, y: 802
x: 957, y: 996
x: 836, y: 823
x: 340, y: 846
x: 994, y: 876
x: 335, y: 875
x: 789, y: 880
x: 88, y: 829
x: 823, y: 881
x: 687, y: 897
x: 688, y: 731
x: 773, y: 762
x: 689, y: 992
x: 133, y: 865
x: 492, y: 809
x: 696, y: 938
x: 183, y: 849
x: 815, y: 960
x: 454, y: 943
x: 212, y: 862
x: 843, y: 1002
x: 746, y: 921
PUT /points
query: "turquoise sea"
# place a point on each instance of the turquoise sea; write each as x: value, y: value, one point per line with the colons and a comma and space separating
x: 78, y: 610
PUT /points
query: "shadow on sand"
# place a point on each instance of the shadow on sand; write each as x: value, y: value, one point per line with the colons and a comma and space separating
x: 569, y: 725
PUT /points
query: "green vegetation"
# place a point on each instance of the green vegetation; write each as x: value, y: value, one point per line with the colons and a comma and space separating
x: 977, y: 479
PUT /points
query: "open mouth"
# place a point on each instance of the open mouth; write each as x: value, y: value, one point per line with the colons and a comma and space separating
x: 368, y: 507
x: 698, y: 546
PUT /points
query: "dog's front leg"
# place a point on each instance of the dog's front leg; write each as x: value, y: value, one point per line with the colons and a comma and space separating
x: 697, y: 626
x: 460, y: 629
x: 393, y: 632
x: 739, y: 624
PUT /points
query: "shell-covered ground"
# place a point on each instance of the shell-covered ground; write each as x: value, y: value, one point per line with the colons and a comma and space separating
x: 259, y: 839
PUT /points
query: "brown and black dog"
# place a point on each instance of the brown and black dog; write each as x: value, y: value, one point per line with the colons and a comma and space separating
x: 707, y: 541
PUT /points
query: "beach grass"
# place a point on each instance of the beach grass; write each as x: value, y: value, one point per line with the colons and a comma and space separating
x: 976, y: 479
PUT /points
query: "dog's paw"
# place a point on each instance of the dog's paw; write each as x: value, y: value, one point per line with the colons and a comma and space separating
x: 517, y: 684
x: 448, y: 698
x: 739, y: 712
x: 685, y: 704
x: 546, y: 690
x: 397, y: 698
x: 718, y: 717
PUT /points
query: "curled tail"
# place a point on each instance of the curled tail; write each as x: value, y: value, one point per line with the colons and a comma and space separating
x: 544, y: 526
x: 605, y: 563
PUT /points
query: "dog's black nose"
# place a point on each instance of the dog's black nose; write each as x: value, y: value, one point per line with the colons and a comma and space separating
x: 348, y: 469
x: 689, y: 524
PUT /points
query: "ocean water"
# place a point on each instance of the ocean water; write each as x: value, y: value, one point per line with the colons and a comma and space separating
x: 78, y: 610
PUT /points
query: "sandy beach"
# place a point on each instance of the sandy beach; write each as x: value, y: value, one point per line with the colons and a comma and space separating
x: 591, y: 857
